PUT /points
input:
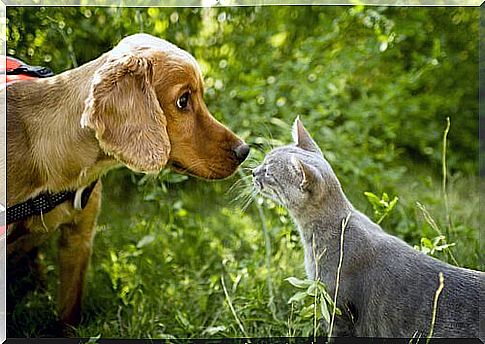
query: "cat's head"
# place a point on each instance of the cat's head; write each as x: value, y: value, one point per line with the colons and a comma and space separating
x: 296, y: 175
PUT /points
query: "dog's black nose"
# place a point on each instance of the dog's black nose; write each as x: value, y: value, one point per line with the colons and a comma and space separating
x: 241, y: 152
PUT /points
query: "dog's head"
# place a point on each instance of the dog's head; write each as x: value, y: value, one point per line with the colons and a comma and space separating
x: 147, y: 109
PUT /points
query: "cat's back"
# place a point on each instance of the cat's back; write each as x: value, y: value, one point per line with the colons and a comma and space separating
x: 458, y: 313
x: 402, y: 286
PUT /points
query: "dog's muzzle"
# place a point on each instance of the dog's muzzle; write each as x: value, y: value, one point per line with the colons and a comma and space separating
x: 241, y: 152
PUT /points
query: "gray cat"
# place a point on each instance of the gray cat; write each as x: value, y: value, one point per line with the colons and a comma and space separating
x: 387, y: 288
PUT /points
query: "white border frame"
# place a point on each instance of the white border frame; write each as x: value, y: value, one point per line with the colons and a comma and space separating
x: 151, y: 3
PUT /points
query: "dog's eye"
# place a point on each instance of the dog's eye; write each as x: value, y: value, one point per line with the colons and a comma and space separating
x: 183, y: 101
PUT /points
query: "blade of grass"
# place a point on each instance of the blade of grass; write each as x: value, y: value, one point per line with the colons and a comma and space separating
x: 339, y: 267
x: 444, y: 172
x: 435, y: 306
x: 231, y: 307
x: 429, y: 219
x: 268, y: 254
x: 316, y: 290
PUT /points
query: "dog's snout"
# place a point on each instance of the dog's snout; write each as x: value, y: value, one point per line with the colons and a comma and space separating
x: 241, y: 152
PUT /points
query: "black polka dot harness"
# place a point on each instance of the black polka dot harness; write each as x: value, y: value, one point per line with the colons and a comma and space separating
x: 47, y: 201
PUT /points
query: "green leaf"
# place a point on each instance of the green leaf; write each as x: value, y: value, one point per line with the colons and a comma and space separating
x: 373, y: 199
x: 307, y: 312
x: 147, y: 239
x: 393, y: 203
x: 298, y: 297
x: 443, y: 247
x: 326, y: 295
x: 166, y: 336
x: 324, y: 310
x: 385, y: 197
x: 182, y: 320
x: 212, y: 330
x: 312, y: 288
x: 426, y: 243
x: 94, y: 339
x: 298, y: 283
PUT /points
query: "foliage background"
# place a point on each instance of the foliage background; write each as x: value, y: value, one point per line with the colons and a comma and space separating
x: 374, y: 85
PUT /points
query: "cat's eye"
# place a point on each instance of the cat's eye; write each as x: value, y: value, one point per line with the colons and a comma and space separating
x: 266, y: 171
x: 183, y: 100
x: 269, y: 177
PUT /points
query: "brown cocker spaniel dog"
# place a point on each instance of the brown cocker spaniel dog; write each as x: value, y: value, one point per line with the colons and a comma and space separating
x: 138, y: 105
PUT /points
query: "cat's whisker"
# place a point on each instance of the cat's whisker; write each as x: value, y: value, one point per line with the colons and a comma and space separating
x: 271, y: 140
x: 247, y: 169
x: 243, y: 194
x: 249, y: 201
x: 267, y: 141
x: 251, y: 163
x: 241, y: 198
x: 243, y: 181
x: 241, y: 202
x: 261, y: 148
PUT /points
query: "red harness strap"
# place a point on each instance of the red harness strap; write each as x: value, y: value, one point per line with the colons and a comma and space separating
x: 3, y: 227
x: 9, y: 64
x: 2, y: 230
x: 13, y: 70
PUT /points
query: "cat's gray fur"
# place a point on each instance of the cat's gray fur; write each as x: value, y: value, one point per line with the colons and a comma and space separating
x: 386, y: 286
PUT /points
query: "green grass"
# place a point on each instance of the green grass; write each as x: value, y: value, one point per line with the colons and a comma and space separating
x: 157, y: 265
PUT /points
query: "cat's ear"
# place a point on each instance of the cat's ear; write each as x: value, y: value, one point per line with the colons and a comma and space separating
x: 302, y: 138
x: 309, y: 175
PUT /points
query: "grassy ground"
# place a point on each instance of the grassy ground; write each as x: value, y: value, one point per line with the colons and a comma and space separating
x: 162, y: 259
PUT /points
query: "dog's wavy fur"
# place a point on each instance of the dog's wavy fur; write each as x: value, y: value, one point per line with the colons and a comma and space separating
x: 64, y: 132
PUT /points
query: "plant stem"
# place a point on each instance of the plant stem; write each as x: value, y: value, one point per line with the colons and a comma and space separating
x: 267, y: 245
x: 444, y: 172
x: 316, y: 290
x: 229, y: 302
x: 435, y: 306
x: 429, y: 219
x: 337, y: 281
x: 290, y: 323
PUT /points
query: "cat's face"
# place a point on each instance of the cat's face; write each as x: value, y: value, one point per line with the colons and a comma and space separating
x: 296, y: 175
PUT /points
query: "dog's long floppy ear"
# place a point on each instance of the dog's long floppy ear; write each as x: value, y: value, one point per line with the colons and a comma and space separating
x: 123, y: 109
x: 302, y: 138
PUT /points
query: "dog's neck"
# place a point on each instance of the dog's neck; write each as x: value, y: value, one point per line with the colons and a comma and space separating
x: 63, y: 155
